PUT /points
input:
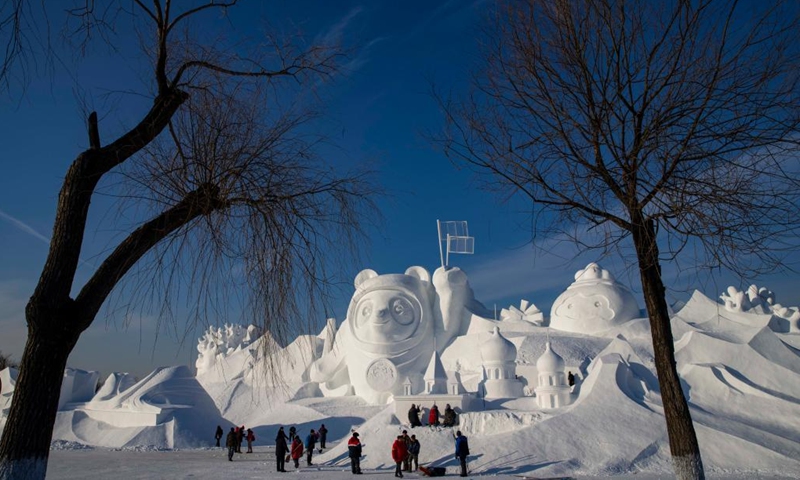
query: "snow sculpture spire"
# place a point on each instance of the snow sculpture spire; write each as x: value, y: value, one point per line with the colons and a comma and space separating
x: 553, y: 391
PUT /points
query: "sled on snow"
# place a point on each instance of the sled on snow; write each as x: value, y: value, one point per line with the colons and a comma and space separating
x: 433, y: 471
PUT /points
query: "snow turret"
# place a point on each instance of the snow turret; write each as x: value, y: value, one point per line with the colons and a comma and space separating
x: 498, y: 349
x: 550, y: 362
x: 553, y: 391
x: 499, y: 356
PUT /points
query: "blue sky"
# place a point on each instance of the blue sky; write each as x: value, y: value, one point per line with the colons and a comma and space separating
x: 378, y: 112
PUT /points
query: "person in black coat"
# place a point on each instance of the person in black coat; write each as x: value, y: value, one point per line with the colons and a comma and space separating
x: 323, y: 435
x: 413, y: 416
x: 219, y: 434
x: 230, y: 442
x: 281, y: 449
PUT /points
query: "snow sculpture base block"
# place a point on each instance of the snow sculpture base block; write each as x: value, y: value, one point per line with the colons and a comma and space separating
x: 129, y: 418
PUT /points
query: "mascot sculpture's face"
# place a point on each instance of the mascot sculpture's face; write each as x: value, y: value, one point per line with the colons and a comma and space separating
x: 386, y: 316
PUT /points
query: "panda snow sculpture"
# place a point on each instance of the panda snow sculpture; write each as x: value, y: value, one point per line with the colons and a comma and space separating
x: 388, y: 336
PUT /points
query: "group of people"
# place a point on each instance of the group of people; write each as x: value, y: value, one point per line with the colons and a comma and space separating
x: 449, y: 419
x: 292, y: 447
x: 405, y: 451
x: 235, y: 438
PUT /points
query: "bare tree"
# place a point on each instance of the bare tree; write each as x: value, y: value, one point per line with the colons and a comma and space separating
x: 221, y: 175
x: 671, y: 124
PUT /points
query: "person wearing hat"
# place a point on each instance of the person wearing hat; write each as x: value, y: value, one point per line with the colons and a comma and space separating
x: 354, y: 449
x: 399, y: 453
x: 311, y: 441
x: 462, y: 451
x: 413, y: 453
x: 281, y: 450
x: 407, y: 460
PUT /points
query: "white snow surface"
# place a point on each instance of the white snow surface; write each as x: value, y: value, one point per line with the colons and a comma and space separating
x: 741, y: 378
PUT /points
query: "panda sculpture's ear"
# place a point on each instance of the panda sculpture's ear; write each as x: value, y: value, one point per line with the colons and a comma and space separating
x: 420, y: 273
x: 363, y: 276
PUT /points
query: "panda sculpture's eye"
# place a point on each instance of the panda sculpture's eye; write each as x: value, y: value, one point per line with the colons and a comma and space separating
x: 402, y: 311
x: 366, y: 310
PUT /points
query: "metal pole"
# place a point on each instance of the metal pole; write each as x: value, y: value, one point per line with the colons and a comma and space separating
x: 439, y: 237
x: 447, y: 259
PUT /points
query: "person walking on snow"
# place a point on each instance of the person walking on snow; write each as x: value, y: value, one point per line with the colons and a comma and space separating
x: 462, y: 451
x: 281, y: 449
x: 413, y: 453
x: 250, y: 439
x: 311, y: 441
x: 297, y: 451
x: 354, y: 452
x: 230, y: 442
x: 323, y: 434
x: 218, y: 434
x: 407, y: 460
x: 239, y: 439
x: 399, y: 452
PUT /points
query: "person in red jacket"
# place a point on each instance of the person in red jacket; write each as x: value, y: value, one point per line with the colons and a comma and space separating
x: 297, y: 450
x: 250, y: 437
x: 399, y: 453
x: 433, y: 416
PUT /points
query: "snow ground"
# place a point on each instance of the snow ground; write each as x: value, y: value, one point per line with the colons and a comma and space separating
x: 100, y: 463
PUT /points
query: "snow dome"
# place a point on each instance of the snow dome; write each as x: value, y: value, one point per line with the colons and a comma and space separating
x: 593, y: 303
x: 498, y: 349
x: 499, y: 364
x: 549, y: 362
x: 552, y: 391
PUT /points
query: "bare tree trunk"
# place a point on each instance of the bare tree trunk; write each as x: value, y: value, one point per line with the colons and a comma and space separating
x: 680, y: 429
x: 25, y: 445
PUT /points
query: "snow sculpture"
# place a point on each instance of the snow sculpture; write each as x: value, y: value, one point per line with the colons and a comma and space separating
x: 761, y: 300
x: 527, y: 312
x: 77, y: 386
x: 455, y: 303
x: 115, y: 384
x: 499, y: 364
x: 218, y: 343
x: 593, y: 303
x: 388, y: 336
x: 552, y: 391
x: 435, y: 376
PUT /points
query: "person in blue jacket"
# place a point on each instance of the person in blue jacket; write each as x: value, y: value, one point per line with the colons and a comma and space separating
x: 311, y: 442
x: 462, y: 451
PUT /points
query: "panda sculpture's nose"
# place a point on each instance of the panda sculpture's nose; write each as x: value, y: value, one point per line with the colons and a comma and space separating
x: 381, y: 315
